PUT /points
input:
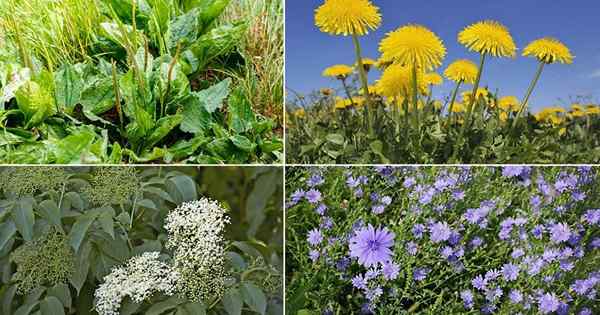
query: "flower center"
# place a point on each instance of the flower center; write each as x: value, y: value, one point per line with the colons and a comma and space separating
x: 373, y: 245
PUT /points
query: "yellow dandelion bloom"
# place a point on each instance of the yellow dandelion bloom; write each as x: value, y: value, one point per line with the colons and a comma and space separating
x: 347, y: 17
x: 509, y: 104
x: 549, y: 50
x: 358, y: 101
x: 299, y: 113
x: 338, y: 71
x: 342, y: 103
x: 577, y: 107
x: 488, y: 37
x: 481, y: 92
x: 437, y: 104
x: 551, y: 115
x: 373, y: 90
x: 462, y: 70
x: 562, y: 131
x: 577, y: 113
x: 396, y: 80
x: 592, y: 110
x: 413, y: 45
x: 367, y: 62
x: 503, y: 116
x: 458, y: 108
x: 433, y: 78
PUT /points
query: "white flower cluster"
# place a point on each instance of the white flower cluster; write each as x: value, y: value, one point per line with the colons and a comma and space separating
x: 196, y: 237
x: 142, y: 277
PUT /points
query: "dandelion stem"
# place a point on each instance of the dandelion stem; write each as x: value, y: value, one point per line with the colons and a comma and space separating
x: 347, y: 90
x: 415, y: 96
x: 528, y: 94
x: 474, y: 94
x: 453, y: 99
x: 363, y: 79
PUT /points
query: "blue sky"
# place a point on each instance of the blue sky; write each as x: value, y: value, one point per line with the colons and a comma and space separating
x: 308, y: 51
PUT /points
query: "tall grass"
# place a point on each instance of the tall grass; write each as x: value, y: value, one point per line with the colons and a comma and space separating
x: 52, y: 32
x: 262, y: 50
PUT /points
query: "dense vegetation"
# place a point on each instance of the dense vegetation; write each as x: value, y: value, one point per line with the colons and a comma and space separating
x: 88, y: 240
x: 160, y: 81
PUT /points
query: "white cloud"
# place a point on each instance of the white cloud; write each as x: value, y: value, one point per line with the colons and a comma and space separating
x: 595, y: 74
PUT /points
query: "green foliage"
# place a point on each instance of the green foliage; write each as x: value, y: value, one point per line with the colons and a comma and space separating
x: 319, y: 134
x: 28, y: 180
x: 141, y: 90
x: 58, y: 231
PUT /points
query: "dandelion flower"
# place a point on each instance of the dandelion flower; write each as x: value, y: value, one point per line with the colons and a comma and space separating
x: 481, y: 92
x: 368, y: 63
x: 488, y: 37
x: 396, y: 80
x: 509, y: 104
x: 342, y: 103
x: 593, y: 110
x: 338, y: 71
x: 503, y: 116
x: 346, y: 17
x: 462, y: 70
x: 433, y: 78
x: 549, y: 50
x: 326, y: 91
x: 413, y: 45
x: 299, y: 113
x: 458, y: 108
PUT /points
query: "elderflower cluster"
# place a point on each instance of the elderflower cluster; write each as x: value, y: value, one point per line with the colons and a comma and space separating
x: 142, y: 277
x: 28, y: 180
x: 48, y: 260
x: 196, y: 237
x: 112, y: 185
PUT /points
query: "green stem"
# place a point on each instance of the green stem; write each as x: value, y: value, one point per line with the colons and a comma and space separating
x: 347, y: 90
x: 363, y: 79
x: 528, y: 94
x: 453, y: 99
x: 473, y: 99
x: 415, y: 96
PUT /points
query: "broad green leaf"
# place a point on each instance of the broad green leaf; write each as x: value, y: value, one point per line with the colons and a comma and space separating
x: 162, y: 129
x: 68, y: 84
x: 241, y: 116
x: 51, y: 306
x: 196, y: 118
x: 264, y: 187
x: 8, y: 298
x: 7, y: 231
x: 26, y: 308
x: 183, y: 187
x: 218, y: 41
x: 62, y: 292
x: 211, y: 10
x: 35, y: 102
x: 254, y: 297
x: 159, y: 192
x: 232, y: 302
x: 80, y: 228
x: 99, y: 96
x: 49, y: 210
x: 335, y: 138
x: 105, y: 219
x: 183, y: 29
x: 196, y: 308
x: 163, y: 306
x: 75, y: 148
x: 213, y: 97
x: 23, y: 216
x: 243, y: 143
